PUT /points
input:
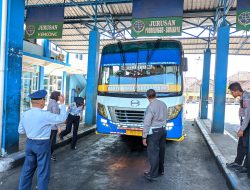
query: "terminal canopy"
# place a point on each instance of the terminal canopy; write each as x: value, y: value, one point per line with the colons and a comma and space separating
x: 113, y: 20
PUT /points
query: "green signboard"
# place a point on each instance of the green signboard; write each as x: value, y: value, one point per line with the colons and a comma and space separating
x: 43, y: 30
x: 44, y: 22
x: 167, y: 26
x: 243, y: 20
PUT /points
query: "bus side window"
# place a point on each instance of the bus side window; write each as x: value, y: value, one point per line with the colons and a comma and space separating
x: 105, y: 75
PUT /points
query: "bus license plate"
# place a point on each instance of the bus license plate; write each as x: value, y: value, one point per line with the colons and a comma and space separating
x: 133, y: 133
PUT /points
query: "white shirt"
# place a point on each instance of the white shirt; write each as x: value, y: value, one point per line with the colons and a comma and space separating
x: 36, y: 122
x: 74, y: 110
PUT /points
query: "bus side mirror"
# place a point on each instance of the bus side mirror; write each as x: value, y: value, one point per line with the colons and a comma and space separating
x: 184, y: 64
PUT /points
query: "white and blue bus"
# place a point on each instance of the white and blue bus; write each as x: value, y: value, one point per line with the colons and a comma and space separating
x: 127, y: 71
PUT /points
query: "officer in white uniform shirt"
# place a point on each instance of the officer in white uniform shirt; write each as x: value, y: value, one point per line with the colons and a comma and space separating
x: 35, y: 124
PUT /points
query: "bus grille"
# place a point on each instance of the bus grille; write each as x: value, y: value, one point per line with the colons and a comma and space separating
x: 129, y: 116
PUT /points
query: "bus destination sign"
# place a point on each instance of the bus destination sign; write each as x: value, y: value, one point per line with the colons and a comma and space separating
x: 168, y: 26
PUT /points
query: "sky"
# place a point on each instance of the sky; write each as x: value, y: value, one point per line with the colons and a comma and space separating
x: 236, y: 63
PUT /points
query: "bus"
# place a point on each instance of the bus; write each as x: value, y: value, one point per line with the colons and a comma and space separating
x: 127, y: 70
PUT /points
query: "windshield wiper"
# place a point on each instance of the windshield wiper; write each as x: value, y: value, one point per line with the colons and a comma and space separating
x: 137, y: 71
x: 149, y: 56
x: 123, y: 57
x: 156, y: 46
x: 177, y: 74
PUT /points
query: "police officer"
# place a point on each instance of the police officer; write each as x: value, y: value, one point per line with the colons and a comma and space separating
x: 244, y: 113
x: 154, y: 135
x: 35, y: 124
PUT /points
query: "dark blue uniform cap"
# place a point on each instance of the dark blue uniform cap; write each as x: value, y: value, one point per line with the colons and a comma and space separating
x: 40, y: 94
x: 79, y: 100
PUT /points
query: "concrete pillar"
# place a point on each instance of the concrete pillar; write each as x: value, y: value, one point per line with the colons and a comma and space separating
x: 67, y: 59
x: 67, y: 91
x: 41, y: 78
x: 3, y: 20
x: 92, y: 77
x: 64, y: 83
x: 13, y: 47
x: 220, y: 79
x: 64, y: 77
x: 46, y: 53
x: 204, y: 94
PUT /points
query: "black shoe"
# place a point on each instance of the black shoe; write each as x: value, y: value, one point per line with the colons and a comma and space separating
x: 73, y: 148
x: 233, y: 165
x: 53, y: 158
x: 161, y: 173
x: 146, y: 173
x: 149, y: 177
x: 60, y: 136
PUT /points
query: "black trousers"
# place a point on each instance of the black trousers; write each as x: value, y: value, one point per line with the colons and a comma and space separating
x: 72, y: 120
x: 242, y: 149
x: 156, y: 151
x: 53, y: 135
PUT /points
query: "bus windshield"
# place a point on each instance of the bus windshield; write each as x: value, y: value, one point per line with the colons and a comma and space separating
x: 162, y: 78
x: 134, y: 72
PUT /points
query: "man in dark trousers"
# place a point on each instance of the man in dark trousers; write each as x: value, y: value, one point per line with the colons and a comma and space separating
x: 35, y: 123
x: 243, y: 133
x: 154, y: 135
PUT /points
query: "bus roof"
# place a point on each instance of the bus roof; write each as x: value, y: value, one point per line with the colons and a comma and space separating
x: 134, y: 46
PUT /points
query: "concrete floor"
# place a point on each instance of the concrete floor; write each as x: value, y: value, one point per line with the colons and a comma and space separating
x: 112, y: 162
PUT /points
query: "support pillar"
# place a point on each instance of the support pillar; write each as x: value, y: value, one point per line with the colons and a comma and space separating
x: 3, y: 20
x: 220, y: 79
x: 205, y: 84
x: 12, y: 74
x: 46, y: 53
x: 64, y: 77
x: 64, y: 83
x: 92, y: 77
x: 41, y: 78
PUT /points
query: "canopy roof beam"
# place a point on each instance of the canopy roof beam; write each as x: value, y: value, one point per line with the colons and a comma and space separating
x: 85, y: 3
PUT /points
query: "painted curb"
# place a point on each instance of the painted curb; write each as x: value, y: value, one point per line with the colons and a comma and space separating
x: 230, y: 176
x: 17, y: 159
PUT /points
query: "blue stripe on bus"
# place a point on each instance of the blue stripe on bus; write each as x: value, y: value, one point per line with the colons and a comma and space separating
x: 168, y: 56
x: 176, y: 132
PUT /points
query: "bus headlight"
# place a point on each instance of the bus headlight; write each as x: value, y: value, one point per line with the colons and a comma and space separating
x: 174, y: 111
x: 101, y: 110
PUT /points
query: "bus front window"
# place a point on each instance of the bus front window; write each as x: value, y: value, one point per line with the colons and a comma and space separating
x: 138, y: 78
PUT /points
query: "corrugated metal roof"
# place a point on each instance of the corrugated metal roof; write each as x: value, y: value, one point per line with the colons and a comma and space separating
x: 78, y: 23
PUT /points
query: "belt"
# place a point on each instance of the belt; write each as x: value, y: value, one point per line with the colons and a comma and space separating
x: 74, y: 114
x: 158, y: 127
x: 39, y: 138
